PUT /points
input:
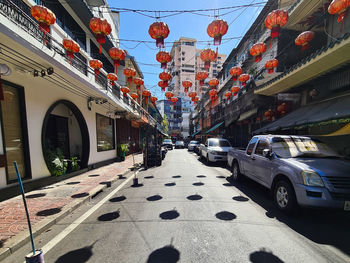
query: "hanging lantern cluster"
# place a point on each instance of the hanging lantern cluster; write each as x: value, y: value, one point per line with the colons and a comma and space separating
x: 117, y: 55
x: 134, y: 95
x: 268, y: 114
x: 275, y: 20
x: 163, y: 58
x: 129, y: 74
x: 235, y: 90
x: 243, y: 79
x: 213, y: 83
x: 125, y: 90
x: 71, y: 47
x: 138, y: 82
x: 153, y: 99
x: 169, y: 95
x: 282, y: 109
x: 159, y: 31
x: 186, y: 84
x: 339, y: 7
x: 213, y: 94
x: 217, y: 29
x: 96, y: 65
x: 146, y: 94
x: 228, y: 95
x: 235, y: 72
x: 163, y: 84
x: 304, y: 39
x: 165, y: 76
x: 201, y: 76
x: 101, y: 28
x: 45, y: 17
x: 271, y: 64
x: 112, y: 77
x: 208, y: 56
x: 257, y: 50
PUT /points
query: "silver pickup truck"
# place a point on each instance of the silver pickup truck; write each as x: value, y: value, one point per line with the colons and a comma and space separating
x: 297, y: 169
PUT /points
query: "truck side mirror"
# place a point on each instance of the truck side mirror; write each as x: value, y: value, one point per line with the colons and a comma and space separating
x: 266, y: 153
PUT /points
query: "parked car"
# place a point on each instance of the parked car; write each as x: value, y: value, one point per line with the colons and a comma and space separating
x: 192, y: 145
x: 215, y: 150
x: 164, y: 151
x: 179, y: 144
x: 297, y: 169
x: 168, y: 144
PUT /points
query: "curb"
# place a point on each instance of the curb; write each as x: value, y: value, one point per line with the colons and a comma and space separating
x: 22, y: 238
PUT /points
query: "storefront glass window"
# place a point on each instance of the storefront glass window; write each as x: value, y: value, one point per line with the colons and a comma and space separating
x: 105, y: 133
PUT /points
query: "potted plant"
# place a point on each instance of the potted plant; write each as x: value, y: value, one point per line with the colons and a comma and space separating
x: 123, y: 149
x: 57, y: 165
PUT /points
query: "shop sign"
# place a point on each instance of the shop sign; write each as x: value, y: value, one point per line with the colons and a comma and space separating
x: 288, y: 97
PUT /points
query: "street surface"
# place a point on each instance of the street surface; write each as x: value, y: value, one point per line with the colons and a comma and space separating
x: 188, y: 211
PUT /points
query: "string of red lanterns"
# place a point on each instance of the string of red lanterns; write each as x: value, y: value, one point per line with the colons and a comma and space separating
x: 112, y: 77
x: 45, y: 17
x: 71, y: 47
x: 186, y: 84
x: 304, y: 39
x: 96, y: 65
x: 257, y: 50
x: 159, y: 31
x: 101, y: 28
x: 117, y: 55
x: 235, y: 72
x: 216, y: 29
x: 271, y: 64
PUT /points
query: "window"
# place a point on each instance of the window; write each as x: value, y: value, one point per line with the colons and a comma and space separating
x: 251, y: 145
x: 96, y: 55
x: 262, y: 145
x: 105, y: 133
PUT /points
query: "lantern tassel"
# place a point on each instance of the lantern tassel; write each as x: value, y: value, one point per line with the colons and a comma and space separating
x: 258, y: 58
x: 116, y: 65
x: 160, y: 42
x: 270, y: 71
x: 234, y: 78
x: 305, y: 47
x: 1, y: 90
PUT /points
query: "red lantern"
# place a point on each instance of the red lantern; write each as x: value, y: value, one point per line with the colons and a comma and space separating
x: 125, y: 90
x: 174, y: 100
x: 186, y: 84
x: 159, y: 31
x: 257, y: 50
x: 339, y: 7
x: 268, y: 114
x: 207, y: 56
x: 195, y: 99
x: 146, y: 94
x: 213, y: 83
x: 243, y: 78
x: 138, y: 82
x: 304, y: 38
x: 228, y: 95
x: 134, y: 95
x: 129, y: 73
x: 201, y: 76
x: 44, y: 16
x: 101, y: 28
x: 217, y: 29
x: 169, y: 94
x: 271, y: 64
x: 163, y: 58
x: 71, y: 47
x: 212, y: 93
x: 112, y: 77
x: 235, y: 72
x: 282, y: 108
x: 96, y: 65
x: 163, y: 84
x: 165, y: 76
x: 235, y: 90
x: 117, y: 55
x: 153, y: 100
x: 192, y: 94
x: 274, y: 21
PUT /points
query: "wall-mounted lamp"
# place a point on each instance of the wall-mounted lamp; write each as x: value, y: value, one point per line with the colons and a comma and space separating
x: 4, y: 71
x: 35, y: 73
x: 43, y: 73
x: 89, y: 101
x: 50, y: 71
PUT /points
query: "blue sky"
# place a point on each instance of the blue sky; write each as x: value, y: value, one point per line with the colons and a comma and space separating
x: 134, y: 26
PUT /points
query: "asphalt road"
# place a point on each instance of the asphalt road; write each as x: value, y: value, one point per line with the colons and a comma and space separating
x: 187, y: 211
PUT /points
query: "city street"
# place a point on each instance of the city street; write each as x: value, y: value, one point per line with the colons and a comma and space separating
x: 188, y: 211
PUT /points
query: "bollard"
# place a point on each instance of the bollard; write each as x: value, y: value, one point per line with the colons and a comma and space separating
x: 38, y: 257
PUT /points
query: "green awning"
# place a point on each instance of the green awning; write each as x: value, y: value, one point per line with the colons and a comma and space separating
x: 196, y: 133
x: 215, y: 127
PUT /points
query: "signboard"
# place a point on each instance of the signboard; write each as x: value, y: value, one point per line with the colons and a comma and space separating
x: 288, y: 96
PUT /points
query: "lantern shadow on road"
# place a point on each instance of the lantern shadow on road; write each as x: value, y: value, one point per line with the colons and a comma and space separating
x: 154, y: 198
x: 194, y: 197
x: 170, y: 184
x: 226, y: 216
x: 149, y: 177
x: 220, y: 176
x: 136, y: 185
x: 108, y: 183
x: 198, y: 184
x: 201, y: 176
x: 227, y: 184
x: 80, y: 195
x: 165, y: 254
x: 35, y: 195
x: 169, y: 215
x: 72, y: 183
x: 94, y: 175
x: 108, y: 216
x: 264, y: 256
x: 1, y: 243
x: 177, y: 176
x: 117, y: 199
x: 240, y: 198
x: 80, y: 255
x: 49, y: 212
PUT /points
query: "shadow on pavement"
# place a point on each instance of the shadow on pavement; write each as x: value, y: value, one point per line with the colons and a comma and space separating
x: 149, y: 177
x: 80, y: 255
x: 154, y: 198
x: 167, y: 254
x: 332, y: 225
x: 80, y: 195
x: 35, y: 195
x: 224, y: 215
x: 198, y: 184
x: 108, y: 216
x: 71, y: 183
x: 117, y: 199
x: 194, y: 197
x: 170, y: 184
x: 1, y: 243
x: 212, y: 164
x: 220, y: 176
x: 49, y: 212
x: 94, y: 175
x: 169, y: 215
x: 177, y: 176
x: 240, y: 198
x: 201, y: 176
x: 108, y: 183
x: 227, y: 184
x: 264, y: 256
x: 136, y: 185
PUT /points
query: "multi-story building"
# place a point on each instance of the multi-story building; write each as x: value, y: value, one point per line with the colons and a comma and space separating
x: 56, y: 108
x: 174, y: 116
x: 184, y: 66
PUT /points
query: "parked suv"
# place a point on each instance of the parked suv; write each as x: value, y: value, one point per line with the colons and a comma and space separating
x: 179, y: 144
x: 215, y: 149
x: 168, y: 144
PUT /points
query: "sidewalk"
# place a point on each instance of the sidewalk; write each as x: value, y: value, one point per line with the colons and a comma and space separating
x: 51, y: 203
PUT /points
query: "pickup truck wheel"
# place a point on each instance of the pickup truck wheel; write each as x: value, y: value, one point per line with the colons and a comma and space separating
x: 236, y: 174
x: 284, y: 197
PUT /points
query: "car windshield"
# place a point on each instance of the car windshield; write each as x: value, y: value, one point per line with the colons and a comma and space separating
x: 290, y: 147
x: 194, y: 142
x: 220, y: 143
x: 167, y: 141
x: 179, y: 143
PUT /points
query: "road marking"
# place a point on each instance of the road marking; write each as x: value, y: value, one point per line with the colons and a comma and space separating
x: 78, y: 221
